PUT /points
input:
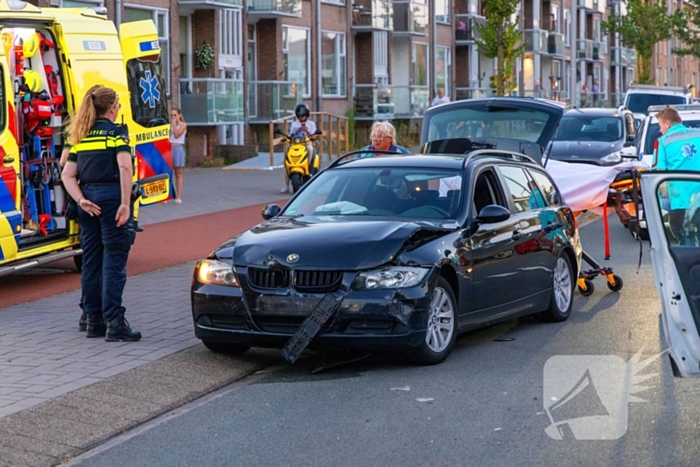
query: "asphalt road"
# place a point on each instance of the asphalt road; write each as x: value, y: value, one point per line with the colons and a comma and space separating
x: 484, y: 406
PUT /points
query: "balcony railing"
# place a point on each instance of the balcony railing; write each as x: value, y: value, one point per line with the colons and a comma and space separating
x: 372, y: 14
x: 465, y: 28
x: 375, y: 102
x: 616, y: 56
x: 585, y: 49
x: 473, y: 93
x: 270, y: 100
x: 410, y: 18
x: 555, y: 44
x: 535, y: 40
x: 597, y: 51
x: 212, y: 3
x: 274, y: 8
x: 211, y: 101
x: 629, y: 57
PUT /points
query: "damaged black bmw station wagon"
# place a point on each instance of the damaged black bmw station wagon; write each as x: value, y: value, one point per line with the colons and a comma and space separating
x: 397, y: 252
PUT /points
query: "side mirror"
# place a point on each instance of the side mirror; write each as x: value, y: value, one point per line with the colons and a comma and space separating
x: 318, y: 132
x: 270, y: 211
x: 492, y: 214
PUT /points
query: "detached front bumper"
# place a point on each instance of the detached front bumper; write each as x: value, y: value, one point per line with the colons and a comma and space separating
x: 365, y: 320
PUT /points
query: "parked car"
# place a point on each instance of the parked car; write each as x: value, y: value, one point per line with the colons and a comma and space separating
x: 649, y: 131
x: 640, y: 97
x: 674, y: 258
x: 400, y: 252
x: 593, y: 136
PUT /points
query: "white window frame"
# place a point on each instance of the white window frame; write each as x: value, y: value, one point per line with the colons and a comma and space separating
x: 230, y: 32
x: 164, y: 41
x: 285, y: 51
x: 448, y: 11
x: 414, y: 55
x: 448, y: 67
x: 62, y: 3
x: 339, y: 52
x: 556, y: 14
x: 567, y: 28
x: 334, y: 2
x: 381, y: 54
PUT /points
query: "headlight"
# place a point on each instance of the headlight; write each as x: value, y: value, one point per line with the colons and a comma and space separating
x: 612, y: 157
x: 216, y: 272
x: 392, y: 278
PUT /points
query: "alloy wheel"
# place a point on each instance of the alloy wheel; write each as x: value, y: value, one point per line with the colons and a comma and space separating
x: 562, y: 285
x: 441, y: 321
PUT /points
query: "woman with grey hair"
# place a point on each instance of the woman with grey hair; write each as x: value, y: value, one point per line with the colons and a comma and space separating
x: 383, y: 136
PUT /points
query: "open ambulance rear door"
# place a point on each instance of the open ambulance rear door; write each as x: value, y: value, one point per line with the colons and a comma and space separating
x: 674, y: 231
x: 150, y: 128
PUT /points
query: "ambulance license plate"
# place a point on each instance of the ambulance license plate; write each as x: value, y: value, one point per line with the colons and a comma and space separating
x: 153, y: 189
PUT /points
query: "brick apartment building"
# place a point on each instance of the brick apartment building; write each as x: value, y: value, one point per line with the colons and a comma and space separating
x: 380, y: 59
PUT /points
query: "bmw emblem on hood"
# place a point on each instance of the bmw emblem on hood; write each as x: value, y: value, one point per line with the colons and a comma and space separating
x: 293, y: 258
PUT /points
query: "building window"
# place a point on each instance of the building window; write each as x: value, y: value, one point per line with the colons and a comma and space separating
x: 334, y: 64
x: 334, y: 2
x: 81, y: 4
x: 442, y: 11
x: 420, y: 64
x: 381, y: 54
x: 296, y: 51
x: 160, y: 18
x: 443, y: 69
x: 185, y: 46
x: 230, y: 32
x: 567, y: 27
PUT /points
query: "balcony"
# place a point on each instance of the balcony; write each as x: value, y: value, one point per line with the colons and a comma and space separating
x: 616, y: 56
x: 535, y: 40
x: 271, y: 100
x: 555, y: 44
x: 465, y: 28
x: 586, y: 4
x: 211, y: 101
x: 274, y: 8
x: 210, y: 4
x: 585, y: 49
x: 410, y: 18
x: 369, y: 15
x: 473, y: 93
x: 373, y: 102
x: 629, y: 57
x: 597, y: 51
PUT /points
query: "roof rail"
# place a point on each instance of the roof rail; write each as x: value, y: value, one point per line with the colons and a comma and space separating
x: 678, y: 107
x: 497, y: 153
x: 364, y: 151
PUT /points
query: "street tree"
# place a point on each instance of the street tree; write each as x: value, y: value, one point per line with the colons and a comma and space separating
x: 500, y: 38
x: 687, y: 28
x: 646, y: 24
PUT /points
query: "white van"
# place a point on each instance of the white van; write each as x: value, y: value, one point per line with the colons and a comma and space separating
x: 640, y: 97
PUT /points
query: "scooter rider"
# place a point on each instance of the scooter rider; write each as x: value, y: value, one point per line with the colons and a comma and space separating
x: 302, y: 126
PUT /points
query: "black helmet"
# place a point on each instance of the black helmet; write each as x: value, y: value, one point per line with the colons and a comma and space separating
x: 302, y: 110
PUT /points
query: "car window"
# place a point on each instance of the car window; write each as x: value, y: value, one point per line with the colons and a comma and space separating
x: 414, y: 193
x: 547, y: 189
x: 487, y: 191
x: 639, y: 102
x: 654, y: 133
x: 587, y: 128
x: 680, y: 206
x: 526, y: 195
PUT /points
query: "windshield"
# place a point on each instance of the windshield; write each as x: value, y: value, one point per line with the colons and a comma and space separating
x: 584, y: 128
x: 483, y: 123
x: 639, y: 102
x: 411, y: 193
x: 654, y: 133
x: 149, y: 105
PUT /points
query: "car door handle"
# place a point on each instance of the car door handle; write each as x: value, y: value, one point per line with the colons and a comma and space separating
x: 516, y: 235
x: 8, y: 160
x: 676, y: 297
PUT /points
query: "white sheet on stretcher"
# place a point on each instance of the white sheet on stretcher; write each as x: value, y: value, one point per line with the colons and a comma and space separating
x: 586, y: 186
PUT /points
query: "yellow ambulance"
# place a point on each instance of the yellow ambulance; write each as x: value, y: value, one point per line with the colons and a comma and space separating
x: 49, y: 58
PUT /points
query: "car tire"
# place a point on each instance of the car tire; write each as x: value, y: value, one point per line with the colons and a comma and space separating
x: 442, y: 326
x: 562, y: 300
x: 226, y: 348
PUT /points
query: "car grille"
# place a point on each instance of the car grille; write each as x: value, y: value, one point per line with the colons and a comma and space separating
x: 285, y: 324
x: 317, y: 281
x: 268, y: 279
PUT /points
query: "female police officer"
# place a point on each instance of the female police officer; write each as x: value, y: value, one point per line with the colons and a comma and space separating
x: 100, y: 158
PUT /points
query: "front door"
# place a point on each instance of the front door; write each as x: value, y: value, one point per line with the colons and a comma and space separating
x: 672, y: 209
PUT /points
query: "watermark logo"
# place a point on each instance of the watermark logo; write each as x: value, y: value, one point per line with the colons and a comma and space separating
x: 586, y: 396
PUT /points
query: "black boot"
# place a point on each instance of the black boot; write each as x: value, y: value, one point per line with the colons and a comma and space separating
x: 82, y: 323
x: 96, y: 326
x: 118, y: 329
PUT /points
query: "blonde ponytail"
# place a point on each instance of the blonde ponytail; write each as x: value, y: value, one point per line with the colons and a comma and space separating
x: 97, y: 102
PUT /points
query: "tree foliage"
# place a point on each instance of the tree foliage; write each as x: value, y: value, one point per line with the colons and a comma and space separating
x: 645, y: 24
x: 686, y: 27
x: 500, y: 38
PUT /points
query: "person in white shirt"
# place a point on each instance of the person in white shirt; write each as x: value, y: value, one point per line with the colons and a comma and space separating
x: 302, y: 125
x: 441, y: 98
